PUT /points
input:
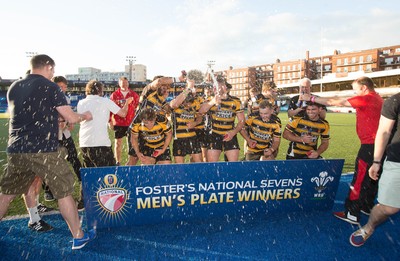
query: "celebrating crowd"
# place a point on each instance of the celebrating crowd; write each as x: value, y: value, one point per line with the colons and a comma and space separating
x: 198, y: 126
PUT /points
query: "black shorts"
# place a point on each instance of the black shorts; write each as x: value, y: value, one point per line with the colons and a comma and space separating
x: 186, y: 146
x: 120, y: 131
x: 216, y: 143
x: 250, y: 156
x: 202, y: 136
x: 102, y: 156
x: 147, y: 151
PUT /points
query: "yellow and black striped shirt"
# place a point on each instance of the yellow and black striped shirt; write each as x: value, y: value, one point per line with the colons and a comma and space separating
x: 223, y: 115
x: 154, y: 138
x: 304, y: 126
x: 182, y: 116
x: 263, y: 132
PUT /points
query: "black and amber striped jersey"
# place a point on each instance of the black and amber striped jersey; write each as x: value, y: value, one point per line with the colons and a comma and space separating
x: 182, y: 116
x: 223, y: 115
x: 303, y: 126
x: 156, y: 102
x: 253, y: 105
x: 263, y: 132
x: 154, y: 138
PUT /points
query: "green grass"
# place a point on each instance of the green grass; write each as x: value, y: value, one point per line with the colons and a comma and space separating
x: 344, y: 144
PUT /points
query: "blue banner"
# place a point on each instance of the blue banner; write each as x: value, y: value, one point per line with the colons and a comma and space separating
x: 135, y: 195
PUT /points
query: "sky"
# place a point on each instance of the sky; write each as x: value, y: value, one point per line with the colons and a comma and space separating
x: 171, y: 35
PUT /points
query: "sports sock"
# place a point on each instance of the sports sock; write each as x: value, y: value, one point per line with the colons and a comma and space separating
x: 33, y: 215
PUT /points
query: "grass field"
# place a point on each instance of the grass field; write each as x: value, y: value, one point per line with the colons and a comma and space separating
x: 344, y: 144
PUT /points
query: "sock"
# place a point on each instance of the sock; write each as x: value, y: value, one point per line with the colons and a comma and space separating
x: 33, y: 215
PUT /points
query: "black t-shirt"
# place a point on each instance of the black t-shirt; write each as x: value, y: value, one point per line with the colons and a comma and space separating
x: 391, y: 110
x: 32, y: 104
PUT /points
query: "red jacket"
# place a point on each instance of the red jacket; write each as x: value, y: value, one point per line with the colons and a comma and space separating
x: 119, y: 99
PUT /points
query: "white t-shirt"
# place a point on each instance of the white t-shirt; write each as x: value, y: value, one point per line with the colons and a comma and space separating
x: 94, y: 133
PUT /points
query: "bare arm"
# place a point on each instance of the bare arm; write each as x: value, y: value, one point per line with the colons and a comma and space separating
x: 323, y: 146
x: 292, y: 113
x: 72, y: 117
x: 333, y: 101
x: 124, y: 110
x: 182, y: 96
x: 381, y: 141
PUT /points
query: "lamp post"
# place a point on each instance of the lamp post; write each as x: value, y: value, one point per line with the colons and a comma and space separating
x: 131, y: 60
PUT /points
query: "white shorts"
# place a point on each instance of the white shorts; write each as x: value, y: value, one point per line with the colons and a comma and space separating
x: 389, y: 185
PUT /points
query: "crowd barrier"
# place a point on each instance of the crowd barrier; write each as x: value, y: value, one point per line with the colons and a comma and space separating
x: 136, y: 195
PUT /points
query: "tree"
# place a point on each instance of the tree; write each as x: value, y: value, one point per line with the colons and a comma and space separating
x: 196, y: 75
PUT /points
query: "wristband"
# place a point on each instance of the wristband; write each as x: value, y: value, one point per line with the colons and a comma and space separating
x: 376, y: 162
x: 312, y: 99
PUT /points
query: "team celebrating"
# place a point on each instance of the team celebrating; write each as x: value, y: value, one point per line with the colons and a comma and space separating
x: 199, y: 125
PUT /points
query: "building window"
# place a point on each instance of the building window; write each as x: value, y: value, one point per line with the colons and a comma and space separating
x: 353, y: 59
x: 361, y: 59
x: 397, y: 50
x: 339, y: 62
x: 326, y: 59
x: 369, y: 58
x: 338, y: 70
x: 360, y: 68
x: 386, y: 51
x: 345, y: 69
x: 346, y: 61
x: 389, y: 61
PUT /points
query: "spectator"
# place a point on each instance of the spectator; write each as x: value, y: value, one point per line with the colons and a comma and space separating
x: 368, y: 105
x: 35, y: 104
x: 303, y: 134
x: 387, y: 138
x: 119, y: 124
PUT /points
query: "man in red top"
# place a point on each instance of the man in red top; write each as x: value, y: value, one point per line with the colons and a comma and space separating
x: 121, y: 124
x: 368, y: 105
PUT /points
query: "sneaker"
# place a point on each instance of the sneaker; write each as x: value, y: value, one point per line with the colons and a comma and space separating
x: 359, y: 237
x: 81, y: 205
x: 48, y: 196
x: 347, y: 217
x: 40, y: 226
x: 42, y: 208
x: 78, y: 243
x: 366, y: 212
